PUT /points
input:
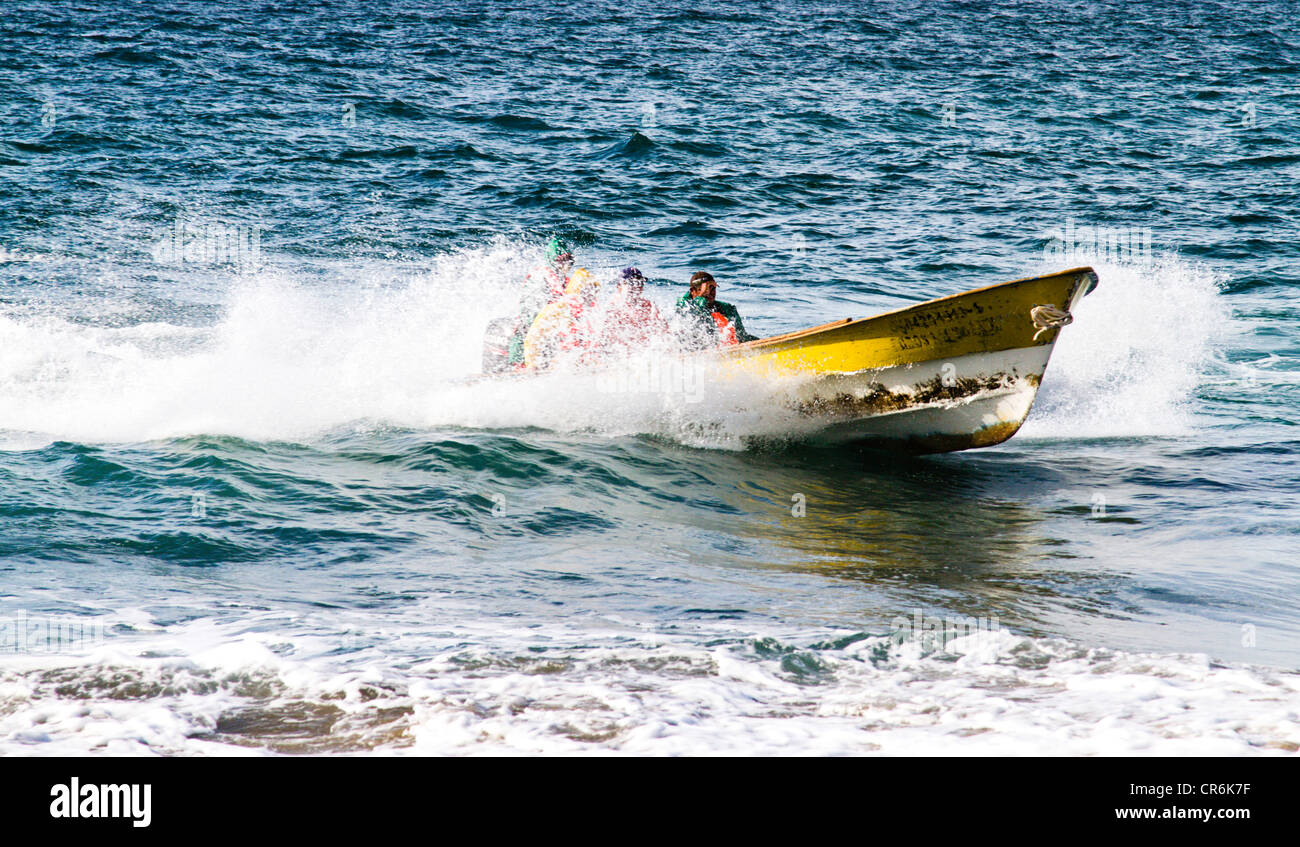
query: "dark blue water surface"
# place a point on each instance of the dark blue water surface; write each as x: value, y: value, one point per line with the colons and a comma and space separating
x: 260, y: 467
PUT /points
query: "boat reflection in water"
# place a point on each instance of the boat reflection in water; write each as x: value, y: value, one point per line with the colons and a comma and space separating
x: 945, y: 535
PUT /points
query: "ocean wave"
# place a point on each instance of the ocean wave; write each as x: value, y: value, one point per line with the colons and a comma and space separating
x: 620, y: 689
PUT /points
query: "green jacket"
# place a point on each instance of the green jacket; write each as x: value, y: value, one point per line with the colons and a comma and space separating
x: 699, y: 308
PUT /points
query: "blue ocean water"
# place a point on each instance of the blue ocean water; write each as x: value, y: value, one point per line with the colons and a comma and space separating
x: 247, y: 252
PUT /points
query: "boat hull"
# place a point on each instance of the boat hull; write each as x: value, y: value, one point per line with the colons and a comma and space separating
x: 926, y: 407
x: 948, y: 374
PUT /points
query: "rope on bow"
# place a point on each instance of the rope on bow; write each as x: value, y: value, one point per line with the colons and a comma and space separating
x: 1047, y: 317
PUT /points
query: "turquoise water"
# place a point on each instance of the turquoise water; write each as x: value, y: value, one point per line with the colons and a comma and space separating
x: 248, y: 254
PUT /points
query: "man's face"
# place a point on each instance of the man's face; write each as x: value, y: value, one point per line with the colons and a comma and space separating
x: 709, y: 291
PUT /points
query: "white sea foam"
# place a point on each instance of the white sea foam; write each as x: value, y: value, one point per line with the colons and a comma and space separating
x: 615, y: 687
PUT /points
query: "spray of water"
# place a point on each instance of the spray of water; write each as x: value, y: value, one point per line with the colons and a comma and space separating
x: 290, y: 359
x: 1135, y: 353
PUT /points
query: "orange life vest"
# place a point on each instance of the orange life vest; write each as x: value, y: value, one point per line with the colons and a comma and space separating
x: 726, y: 330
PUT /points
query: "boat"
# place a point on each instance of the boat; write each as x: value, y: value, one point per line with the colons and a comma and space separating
x: 949, y: 374
x: 954, y: 373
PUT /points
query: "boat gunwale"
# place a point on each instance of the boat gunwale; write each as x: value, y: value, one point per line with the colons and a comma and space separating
x: 760, y: 343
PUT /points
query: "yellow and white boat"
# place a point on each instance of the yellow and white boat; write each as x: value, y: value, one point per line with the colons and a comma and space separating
x: 948, y: 374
